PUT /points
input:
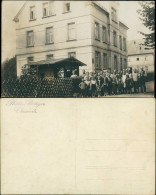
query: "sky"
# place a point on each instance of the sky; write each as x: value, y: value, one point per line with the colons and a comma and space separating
x: 127, y: 13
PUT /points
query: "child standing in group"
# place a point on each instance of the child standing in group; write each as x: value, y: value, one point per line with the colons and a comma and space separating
x: 82, y: 86
x: 114, y: 86
x: 87, y: 81
x: 93, y: 85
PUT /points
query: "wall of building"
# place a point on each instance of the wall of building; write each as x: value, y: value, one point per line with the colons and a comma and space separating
x: 84, y: 15
x: 104, y: 19
x: 144, y: 60
x: 79, y: 15
x: 84, y: 54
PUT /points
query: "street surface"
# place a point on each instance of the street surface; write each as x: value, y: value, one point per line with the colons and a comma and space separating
x: 149, y: 92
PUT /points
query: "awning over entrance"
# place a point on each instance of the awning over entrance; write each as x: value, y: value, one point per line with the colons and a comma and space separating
x: 59, y: 62
x: 56, y: 68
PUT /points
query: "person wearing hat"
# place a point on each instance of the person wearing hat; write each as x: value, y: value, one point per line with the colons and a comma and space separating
x: 109, y: 87
x: 124, y: 81
x: 87, y: 81
x: 143, y: 82
x: 135, y: 81
x: 74, y: 75
x: 86, y: 76
x: 128, y: 84
x: 93, y: 85
x: 82, y: 86
x: 83, y: 73
x: 104, y: 85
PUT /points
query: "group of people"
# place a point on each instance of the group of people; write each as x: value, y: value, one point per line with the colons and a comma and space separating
x: 105, y: 83
x: 89, y: 84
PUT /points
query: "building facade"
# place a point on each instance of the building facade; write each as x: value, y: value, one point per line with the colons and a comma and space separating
x: 82, y: 29
x: 140, y: 57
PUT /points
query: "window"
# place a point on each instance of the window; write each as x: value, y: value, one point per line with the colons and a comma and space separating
x: 67, y: 7
x: 32, y: 13
x: 30, y: 59
x: 105, y: 65
x: 48, y: 9
x: 45, y: 9
x: 137, y: 59
x: 49, y: 35
x: 97, y: 59
x: 71, y: 31
x: 124, y: 44
x: 115, y: 38
x: 97, y: 31
x: 104, y: 34
x: 72, y: 54
x: 120, y: 40
x: 125, y: 63
x: 30, y: 38
x: 115, y: 62
x: 121, y: 64
x: 50, y: 57
x: 114, y: 14
x: 51, y: 8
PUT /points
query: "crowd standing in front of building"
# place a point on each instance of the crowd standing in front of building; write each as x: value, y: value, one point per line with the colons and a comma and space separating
x: 107, y: 84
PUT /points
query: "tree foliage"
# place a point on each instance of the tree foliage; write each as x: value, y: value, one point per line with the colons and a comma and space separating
x: 147, y: 16
x: 9, y: 69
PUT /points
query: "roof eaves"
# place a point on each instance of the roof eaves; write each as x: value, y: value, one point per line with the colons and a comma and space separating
x: 122, y: 23
x: 17, y: 15
x: 100, y: 6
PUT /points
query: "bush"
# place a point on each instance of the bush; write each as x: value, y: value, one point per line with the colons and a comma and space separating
x: 9, y: 69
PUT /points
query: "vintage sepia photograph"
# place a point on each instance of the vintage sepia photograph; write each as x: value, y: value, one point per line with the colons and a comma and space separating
x: 77, y: 49
x: 78, y: 106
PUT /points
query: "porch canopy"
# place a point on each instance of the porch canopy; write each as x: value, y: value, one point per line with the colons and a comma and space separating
x: 57, y: 68
x: 59, y: 63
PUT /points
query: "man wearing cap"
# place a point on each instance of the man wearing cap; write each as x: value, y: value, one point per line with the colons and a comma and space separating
x: 135, y: 81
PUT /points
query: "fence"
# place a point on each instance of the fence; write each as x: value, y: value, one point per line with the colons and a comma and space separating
x: 28, y: 87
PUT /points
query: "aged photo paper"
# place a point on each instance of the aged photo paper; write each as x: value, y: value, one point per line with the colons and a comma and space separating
x: 78, y: 146
x: 77, y: 106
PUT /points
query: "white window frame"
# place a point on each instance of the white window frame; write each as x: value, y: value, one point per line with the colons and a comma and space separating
x: 49, y: 40
x: 125, y: 63
x: 97, y: 31
x: 70, y: 29
x: 114, y: 14
x: 30, y: 44
x: 32, y: 10
x: 97, y: 59
x: 71, y: 54
x: 121, y: 63
x: 115, y: 62
x: 105, y: 60
x: 50, y: 9
x: 49, y: 56
x: 65, y: 4
x: 114, y: 38
x: 104, y: 34
x: 46, y: 7
x: 30, y: 57
x: 120, y: 41
x: 124, y: 44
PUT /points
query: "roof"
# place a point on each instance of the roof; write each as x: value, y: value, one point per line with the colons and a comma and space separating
x: 100, y: 6
x: 63, y: 61
x: 134, y: 47
x: 17, y: 15
x: 123, y: 24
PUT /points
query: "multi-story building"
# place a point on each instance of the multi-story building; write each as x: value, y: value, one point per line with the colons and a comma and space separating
x: 139, y: 56
x: 87, y: 30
